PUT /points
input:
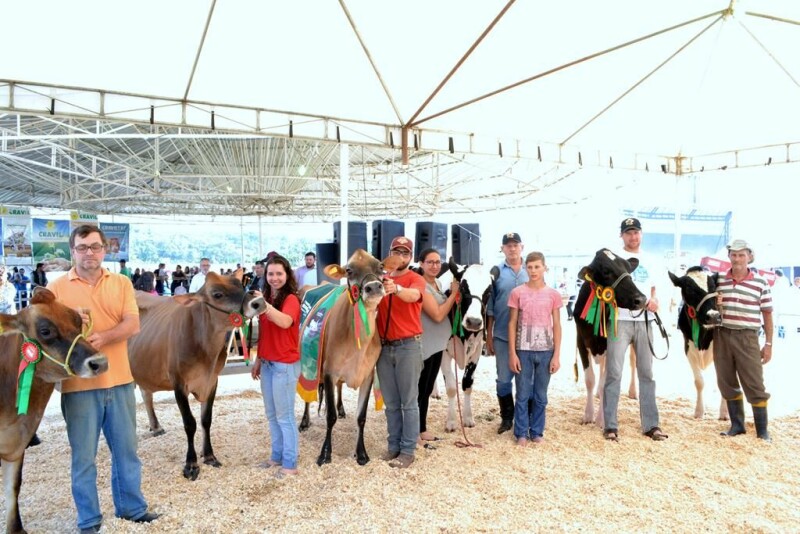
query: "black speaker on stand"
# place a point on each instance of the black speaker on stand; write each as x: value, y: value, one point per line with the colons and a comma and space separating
x: 383, y: 231
x: 431, y: 235
x: 466, y: 239
x: 356, y: 235
x: 327, y: 254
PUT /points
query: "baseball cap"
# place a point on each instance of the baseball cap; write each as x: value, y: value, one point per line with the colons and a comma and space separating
x: 740, y: 244
x: 631, y: 223
x: 402, y: 242
x: 511, y: 236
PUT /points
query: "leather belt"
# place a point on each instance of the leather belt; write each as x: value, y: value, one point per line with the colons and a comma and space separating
x: 401, y: 341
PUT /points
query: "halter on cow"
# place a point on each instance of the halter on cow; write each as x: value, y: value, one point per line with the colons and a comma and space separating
x: 44, y: 344
x: 697, y: 318
x: 608, y: 285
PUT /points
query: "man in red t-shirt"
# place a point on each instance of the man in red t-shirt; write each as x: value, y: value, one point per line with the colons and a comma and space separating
x: 400, y: 362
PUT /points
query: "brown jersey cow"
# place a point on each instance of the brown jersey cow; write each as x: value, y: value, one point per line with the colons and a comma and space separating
x: 343, y: 360
x: 63, y: 353
x: 181, y: 347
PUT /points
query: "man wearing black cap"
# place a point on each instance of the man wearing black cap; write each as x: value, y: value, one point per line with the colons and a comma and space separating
x: 511, y: 274
x: 632, y: 329
x: 743, y: 299
x: 400, y: 328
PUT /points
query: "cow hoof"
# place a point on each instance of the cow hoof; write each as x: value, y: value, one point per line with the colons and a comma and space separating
x: 323, y: 460
x: 724, y: 418
x: 191, y: 472
x: 212, y: 461
x: 469, y: 423
x: 362, y: 460
x: 342, y: 414
x: 158, y: 432
x: 303, y: 426
x: 450, y: 428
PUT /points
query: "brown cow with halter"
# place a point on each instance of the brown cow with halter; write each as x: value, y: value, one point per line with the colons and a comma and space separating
x: 181, y: 347
x: 349, y: 346
x: 42, y: 345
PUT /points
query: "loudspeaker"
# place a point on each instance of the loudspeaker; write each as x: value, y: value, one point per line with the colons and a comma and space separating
x: 356, y: 236
x: 327, y: 254
x: 431, y: 235
x: 466, y: 243
x: 383, y: 231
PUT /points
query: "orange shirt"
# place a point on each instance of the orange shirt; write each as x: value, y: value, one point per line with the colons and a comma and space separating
x: 404, y: 317
x: 109, y: 300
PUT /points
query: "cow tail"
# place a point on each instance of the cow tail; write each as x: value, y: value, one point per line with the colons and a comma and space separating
x: 575, y: 366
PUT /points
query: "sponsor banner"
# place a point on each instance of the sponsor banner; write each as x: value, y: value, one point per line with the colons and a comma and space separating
x: 118, y: 235
x: 16, y: 229
x: 50, y: 243
x: 78, y: 218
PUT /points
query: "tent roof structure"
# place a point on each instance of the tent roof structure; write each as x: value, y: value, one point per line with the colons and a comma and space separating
x: 445, y: 107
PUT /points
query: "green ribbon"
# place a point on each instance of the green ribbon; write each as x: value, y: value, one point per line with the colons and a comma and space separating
x: 696, y: 333
x: 27, y: 368
x: 362, y: 313
x: 458, y: 328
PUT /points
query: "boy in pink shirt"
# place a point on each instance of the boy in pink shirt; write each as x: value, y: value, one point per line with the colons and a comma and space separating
x: 534, y: 342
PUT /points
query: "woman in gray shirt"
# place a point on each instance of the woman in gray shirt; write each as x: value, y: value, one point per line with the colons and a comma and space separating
x: 436, y: 331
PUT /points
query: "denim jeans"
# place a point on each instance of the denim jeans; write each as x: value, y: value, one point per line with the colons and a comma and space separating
x: 630, y: 332
x: 399, y: 369
x: 113, y: 411
x: 505, y: 377
x: 532, y: 382
x: 278, y: 385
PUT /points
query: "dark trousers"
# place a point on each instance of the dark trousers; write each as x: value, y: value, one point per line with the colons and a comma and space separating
x: 430, y: 370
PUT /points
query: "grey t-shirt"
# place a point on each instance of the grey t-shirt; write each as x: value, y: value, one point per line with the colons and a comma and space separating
x: 434, y: 335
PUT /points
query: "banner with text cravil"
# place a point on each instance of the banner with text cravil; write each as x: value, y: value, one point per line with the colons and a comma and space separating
x: 79, y: 218
x: 50, y: 242
x: 118, y: 236
x: 16, y: 235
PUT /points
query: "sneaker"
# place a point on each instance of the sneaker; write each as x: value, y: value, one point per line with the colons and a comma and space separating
x: 267, y: 464
x: 538, y: 439
x: 91, y: 530
x: 389, y: 455
x: 402, y: 461
x: 522, y: 442
x: 148, y: 517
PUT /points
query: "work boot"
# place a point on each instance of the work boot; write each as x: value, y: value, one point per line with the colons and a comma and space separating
x: 736, y: 413
x: 506, y: 412
x: 760, y: 418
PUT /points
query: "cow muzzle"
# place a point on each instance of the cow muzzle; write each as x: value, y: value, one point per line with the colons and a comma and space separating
x: 713, y: 318
x: 92, y: 366
x: 254, y: 305
x: 373, y: 290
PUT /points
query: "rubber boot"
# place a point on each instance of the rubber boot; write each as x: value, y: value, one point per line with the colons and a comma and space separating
x: 506, y: 412
x: 736, y: 413
x: 761, y: 419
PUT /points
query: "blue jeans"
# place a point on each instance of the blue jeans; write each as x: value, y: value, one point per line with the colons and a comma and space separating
x: 399, y: 369
x: 630, y: 332
x: 532, y: 382
x: 505, y: 377
x: 113, y: 411
x: 278, y: 385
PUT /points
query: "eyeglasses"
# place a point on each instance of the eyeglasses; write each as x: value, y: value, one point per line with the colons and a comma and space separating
x: 432, y: 262
x: 403, y: 253
x: 95, y: 247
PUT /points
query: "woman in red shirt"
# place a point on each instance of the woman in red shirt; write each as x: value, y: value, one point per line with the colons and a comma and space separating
x: 278, y: 363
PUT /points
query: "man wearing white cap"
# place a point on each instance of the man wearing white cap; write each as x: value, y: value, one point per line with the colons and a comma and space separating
x: 743, y: 299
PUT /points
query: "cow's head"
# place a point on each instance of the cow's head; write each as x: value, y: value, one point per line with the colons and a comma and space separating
x: 227, y: 294
x: 698, y: 291
x: 366, y: 273
x: 58, y: 331
x: 609, y: 270
x: 475, y: 282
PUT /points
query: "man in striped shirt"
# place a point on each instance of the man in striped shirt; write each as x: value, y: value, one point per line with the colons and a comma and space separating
x: 743, y: 299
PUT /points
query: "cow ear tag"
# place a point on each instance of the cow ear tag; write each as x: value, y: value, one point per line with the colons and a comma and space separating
x: 610, y: 255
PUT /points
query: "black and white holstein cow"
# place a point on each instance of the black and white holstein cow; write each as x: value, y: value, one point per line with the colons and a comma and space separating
x: 466, y: 344
x: 608, y: 279
x: 697, y: 318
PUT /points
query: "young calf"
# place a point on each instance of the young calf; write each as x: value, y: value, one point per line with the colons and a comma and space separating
x: 697, y: 318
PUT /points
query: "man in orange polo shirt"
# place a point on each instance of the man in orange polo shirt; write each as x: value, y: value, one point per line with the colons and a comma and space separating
x: 106, y: 303
x: 400, y: 363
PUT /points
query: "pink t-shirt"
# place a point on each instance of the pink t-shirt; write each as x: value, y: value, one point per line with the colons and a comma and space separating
x: 535, y: 319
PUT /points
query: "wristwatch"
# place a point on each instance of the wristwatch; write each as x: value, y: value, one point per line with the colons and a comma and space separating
x: 397, y: 289
x: 768, y: 343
